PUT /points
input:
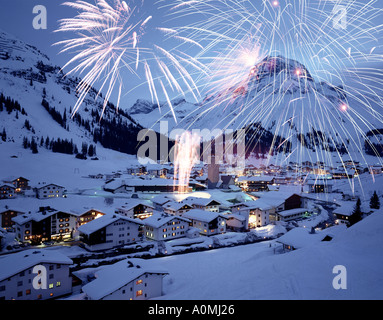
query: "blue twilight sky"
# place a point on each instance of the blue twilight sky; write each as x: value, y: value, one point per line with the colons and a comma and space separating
x: 16, y: 18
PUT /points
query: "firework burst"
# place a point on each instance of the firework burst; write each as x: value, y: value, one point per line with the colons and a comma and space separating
x: 108, y: 40
x: 326, y: 102
x: 186, y: 155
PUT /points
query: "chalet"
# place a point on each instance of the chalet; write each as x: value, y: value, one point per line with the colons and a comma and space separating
x: 159, y: 201
x: 136, y: 209
x: 298, y: 238
x: 342, y: 173
x: 96, y: 176
x: 44, y: 225
x: 176, y: 208
x: 209, y: 223
x: 17, y: 279
x: 125, y: 281
x: 256, y: 213
x: 21, y: 184
x: 136, y: 170
x: 343, y: 213
x: 236, y: 222
x: 165, y: 227
x: 292, y: 214
x: 109, y: 231
x: 7, y: 191
x: 6, y: 216
x: 87, y: 216
x: 255, y: 184
x: 320, y: 185
x: 206, y: 204
x: 49, y: 191
x: 156, y: 170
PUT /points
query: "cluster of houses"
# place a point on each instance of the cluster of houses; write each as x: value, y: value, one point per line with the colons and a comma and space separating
x: 161, y: 218
x: 158, y: 217
x: 13, y: 187
x: 45, y: 274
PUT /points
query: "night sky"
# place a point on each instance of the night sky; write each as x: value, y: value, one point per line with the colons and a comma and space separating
x: 16, y: 18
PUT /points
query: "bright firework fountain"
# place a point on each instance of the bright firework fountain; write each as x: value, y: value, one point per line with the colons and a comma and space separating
x: 186, y: 155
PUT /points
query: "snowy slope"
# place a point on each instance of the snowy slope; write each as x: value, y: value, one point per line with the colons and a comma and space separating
x: 255, y: 272
x: 28, y: 76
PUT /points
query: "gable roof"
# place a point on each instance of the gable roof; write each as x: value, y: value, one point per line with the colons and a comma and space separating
x: 158, y: 220
x: 113, y: 277
x: 49, y: 184
x: 20, y: 261
x: 202, y: 215
x: 175, y: 205
x: 102, y: 222
x: 132, y: 203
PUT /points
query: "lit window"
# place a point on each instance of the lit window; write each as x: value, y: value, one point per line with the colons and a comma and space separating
x: 139, y: 293
x: 51, y: 286
x: 139, y: 281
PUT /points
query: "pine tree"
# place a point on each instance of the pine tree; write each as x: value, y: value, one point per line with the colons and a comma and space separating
x: 25, y: 143
x: 47, y: 142
x: 34, y: 146
x: 4, y: 135
x: 356, y: 215
x: 374, y: 201
x: 84, y: 148
x: 90, y: 151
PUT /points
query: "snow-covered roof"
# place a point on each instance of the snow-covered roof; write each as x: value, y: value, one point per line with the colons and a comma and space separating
x: 236, y: 216
x: 48, y: 185
x: 132, y: 203
x: 104, y: 221
x: 200, y: 201
x: 345, y: 209
x: 175, y: 205
x: 202, y: 215
x: 261, y: 204
x: 35, y: 216
x: 290, y: 212
x: 17, y: 262
x: 301, y: 237
x: 255, y: 178
x: 158, y: 220
x: 7, y: 185
x: 113, y: 277
x: 161, y: 199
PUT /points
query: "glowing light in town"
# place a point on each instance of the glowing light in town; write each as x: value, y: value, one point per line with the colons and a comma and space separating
x: 186, y: 155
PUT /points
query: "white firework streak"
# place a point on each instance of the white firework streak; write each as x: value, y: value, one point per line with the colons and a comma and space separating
x: 305, y: 31
x: 107, y: 41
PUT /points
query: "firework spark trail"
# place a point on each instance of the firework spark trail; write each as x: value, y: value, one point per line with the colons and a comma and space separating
x: 303, y: 30
x: 108, y: 41
x: 186, y: 155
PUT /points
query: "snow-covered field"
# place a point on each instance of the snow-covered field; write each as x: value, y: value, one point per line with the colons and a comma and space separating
x: 260, y: 271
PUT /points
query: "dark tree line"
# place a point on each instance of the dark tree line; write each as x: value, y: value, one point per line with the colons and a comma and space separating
x: 56, y: 115
x: 8, y: 104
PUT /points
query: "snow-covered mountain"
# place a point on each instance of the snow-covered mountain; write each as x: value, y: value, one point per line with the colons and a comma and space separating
x: 45, y: 97
x: 279, y: 97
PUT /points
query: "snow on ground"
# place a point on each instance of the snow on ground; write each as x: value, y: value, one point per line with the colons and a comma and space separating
x: 254, y: 272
